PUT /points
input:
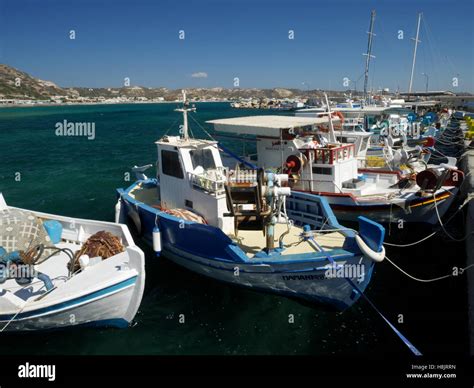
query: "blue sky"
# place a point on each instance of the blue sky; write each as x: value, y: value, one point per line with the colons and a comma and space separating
x: 247, y: 39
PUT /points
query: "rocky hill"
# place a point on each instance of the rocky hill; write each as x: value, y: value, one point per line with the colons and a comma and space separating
x: 20, y: 85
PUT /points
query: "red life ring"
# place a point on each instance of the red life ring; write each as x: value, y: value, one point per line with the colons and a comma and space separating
x: 340, y: 115
x: 293, y: 164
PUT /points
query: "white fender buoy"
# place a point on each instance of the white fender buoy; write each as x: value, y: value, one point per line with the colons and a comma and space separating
x: 367, y: 251
x: 118, y: 210
x: 157, y: 240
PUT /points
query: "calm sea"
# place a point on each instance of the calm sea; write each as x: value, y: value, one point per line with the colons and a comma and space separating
x: 77, y: 177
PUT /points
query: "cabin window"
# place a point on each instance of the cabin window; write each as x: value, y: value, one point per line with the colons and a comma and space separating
x: 322, y: 170
x: 202, y: 157
x: 170, y: 164
x: 365, y: 143
x: 350, y: 140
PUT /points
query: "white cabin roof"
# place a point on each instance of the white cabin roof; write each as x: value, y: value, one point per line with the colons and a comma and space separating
x: 177, y: 141
x: 270, y: 125
x: 364, y: 109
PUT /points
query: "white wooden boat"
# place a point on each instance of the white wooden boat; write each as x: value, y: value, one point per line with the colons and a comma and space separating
x: 47, y: 294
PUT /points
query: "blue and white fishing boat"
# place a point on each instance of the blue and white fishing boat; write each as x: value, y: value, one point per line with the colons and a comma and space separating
x: 246, y: 227
x: 319, y: 164
x: 49, y: 278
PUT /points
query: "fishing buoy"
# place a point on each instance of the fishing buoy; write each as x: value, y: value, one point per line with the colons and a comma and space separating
x: 157, y: 240
x: 118, y: 211
x: 367, y: 251
x: 84, y: 261
x: 412, y: 116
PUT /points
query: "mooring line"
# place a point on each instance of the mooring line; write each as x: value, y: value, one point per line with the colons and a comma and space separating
x: 405, y: 340
x: 410, y: 244
x: 442, y: 225
x: 427, y: 280
x: 469, y: 197
x: 414, y: 350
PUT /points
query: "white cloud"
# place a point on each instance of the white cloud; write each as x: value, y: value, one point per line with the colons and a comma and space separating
x: 199, y: 74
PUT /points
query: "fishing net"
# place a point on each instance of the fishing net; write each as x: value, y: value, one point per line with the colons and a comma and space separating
x: 101, y: 244
x: 21, y: 231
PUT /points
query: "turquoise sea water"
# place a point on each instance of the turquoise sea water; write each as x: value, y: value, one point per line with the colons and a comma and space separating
x: 77, y: 177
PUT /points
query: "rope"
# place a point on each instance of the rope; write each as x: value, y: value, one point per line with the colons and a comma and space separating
x: 410, y: 244
x: 66, y: 251
x: 332, y: 230
x: 426, y: 280
x: 414, y: 350
x: 443, y: 227
x: 23, y: 307
x: 466, y: 201
x: 412, y: 347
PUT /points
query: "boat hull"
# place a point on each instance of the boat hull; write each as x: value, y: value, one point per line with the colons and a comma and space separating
x: 310, y: 284
x: 422, y: 210
x: 207, y: 251
x: 105, y: 293
x: 106, y: 307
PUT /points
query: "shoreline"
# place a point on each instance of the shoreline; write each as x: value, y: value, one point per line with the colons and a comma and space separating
x: 34, y: 105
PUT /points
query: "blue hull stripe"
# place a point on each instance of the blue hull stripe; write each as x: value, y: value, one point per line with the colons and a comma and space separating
x: 310, y: 269
x: 318, y: 298
x: 73, y: 302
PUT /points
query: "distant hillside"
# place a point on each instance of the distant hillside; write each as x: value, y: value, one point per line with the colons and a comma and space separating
x: 16, y: 84
x: 193, y: 93
x: 20, y: 85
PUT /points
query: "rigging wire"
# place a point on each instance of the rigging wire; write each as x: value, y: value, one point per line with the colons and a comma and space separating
x: 200, y: 126
x: 171, y: 126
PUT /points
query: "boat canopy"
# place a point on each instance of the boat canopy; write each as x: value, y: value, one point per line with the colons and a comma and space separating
x: 268, y: 125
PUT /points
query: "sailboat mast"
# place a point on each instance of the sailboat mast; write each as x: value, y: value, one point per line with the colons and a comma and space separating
x: 369, y: 53
x: 414, y: 52
x: 332, y: 136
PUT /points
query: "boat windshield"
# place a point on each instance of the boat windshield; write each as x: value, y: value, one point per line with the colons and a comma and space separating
x: 203, y: 157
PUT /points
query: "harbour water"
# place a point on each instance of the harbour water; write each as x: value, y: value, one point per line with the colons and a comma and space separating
x: 183, y: 313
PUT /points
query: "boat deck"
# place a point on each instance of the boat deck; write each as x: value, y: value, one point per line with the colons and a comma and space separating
x: 147, y: 195
x: 55, y: 267
x: 252, y: 241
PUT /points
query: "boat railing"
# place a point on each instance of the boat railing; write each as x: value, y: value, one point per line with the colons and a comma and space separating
x: 305, y: 183
x: 213, y: 183
x: 313, y: 210
x: 329, y: 155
